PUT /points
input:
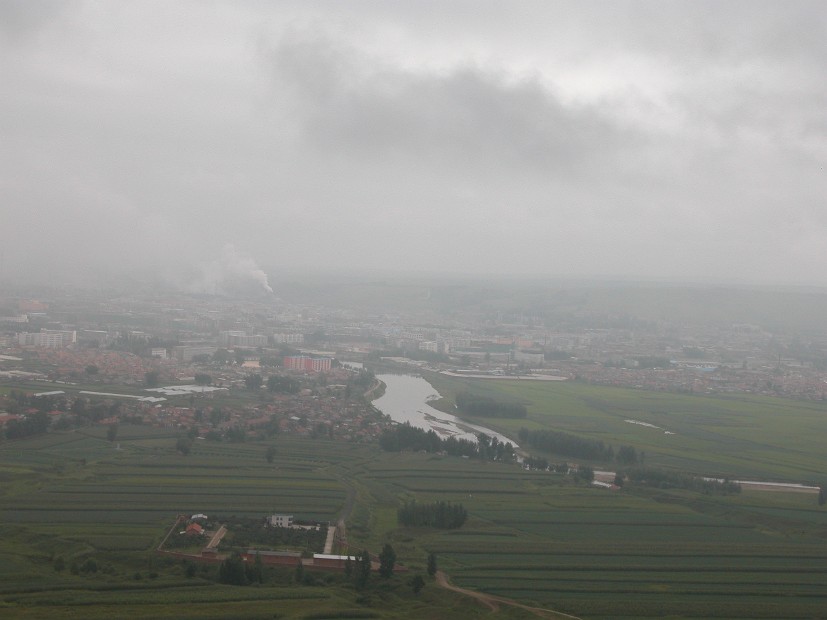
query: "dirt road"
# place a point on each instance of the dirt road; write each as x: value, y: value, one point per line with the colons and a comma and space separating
x: 328, y: 543
x: 216, y: 538
x: 494, y: 602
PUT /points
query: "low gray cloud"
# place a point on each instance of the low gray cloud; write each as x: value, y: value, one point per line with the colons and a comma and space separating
x: 22, y: 20
x: 357, y: 106
x: 633, y: 139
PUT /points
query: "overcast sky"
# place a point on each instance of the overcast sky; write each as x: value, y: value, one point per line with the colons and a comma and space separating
x: 666, y: 140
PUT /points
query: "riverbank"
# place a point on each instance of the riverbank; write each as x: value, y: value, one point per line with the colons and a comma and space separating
x: 410, y: 399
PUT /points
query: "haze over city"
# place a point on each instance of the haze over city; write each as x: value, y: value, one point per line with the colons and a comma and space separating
x: 405, y: 310
x: 176, y: 141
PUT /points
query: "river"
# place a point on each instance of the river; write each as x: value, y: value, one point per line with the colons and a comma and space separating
x: 406, y: 400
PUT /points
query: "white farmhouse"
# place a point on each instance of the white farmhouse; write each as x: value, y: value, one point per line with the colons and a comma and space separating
x: 280, y: 520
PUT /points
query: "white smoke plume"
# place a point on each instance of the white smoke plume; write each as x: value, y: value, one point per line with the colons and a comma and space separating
x: 233, y: 273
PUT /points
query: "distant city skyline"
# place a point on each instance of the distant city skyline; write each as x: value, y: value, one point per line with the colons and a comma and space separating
x: 213, y: 147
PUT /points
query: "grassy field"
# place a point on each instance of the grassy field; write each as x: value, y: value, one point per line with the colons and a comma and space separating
x: 70, y: 497
x: 532, y: 536
x: 595, y: 553
x: 735, y: 436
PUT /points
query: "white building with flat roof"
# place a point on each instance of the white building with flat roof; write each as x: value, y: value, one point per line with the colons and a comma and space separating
x: 287, y: 338
x: 48, y: 338
x: 280, y: 520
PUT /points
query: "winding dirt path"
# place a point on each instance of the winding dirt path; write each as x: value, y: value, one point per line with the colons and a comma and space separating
x: 178, y: 520
x: 494, y: 602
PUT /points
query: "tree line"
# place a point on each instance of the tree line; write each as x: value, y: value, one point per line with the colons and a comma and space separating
x: 559, y: 442
x: 442, y: 515
x: 235, y: 571
x: 484, y: 406
x: 32, y: 424
x: 275, y: 383
x: 407, y: 437
x: 647, y: 476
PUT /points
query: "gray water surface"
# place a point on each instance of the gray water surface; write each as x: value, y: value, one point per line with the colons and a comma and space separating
x: 406, y: 400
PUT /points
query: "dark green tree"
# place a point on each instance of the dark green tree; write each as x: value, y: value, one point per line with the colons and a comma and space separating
x: 417, y: 583
x: 627, y: 455
x: 217, y: 416
x: 270, y: 454
x: 283, y: 385
x: 821, y: 497
x: 432, y: 565
x: 443, y: 515
x: 183, y: 445
x: 232, y: 571
x: 361, y: 572
x: 585, y: 473
x: 33, y: 424
x: 387, y: 560
x: 203, y: 379
x: 253, y: 382
x: 79, y: 407
x: 112, y: 432
x: 236, y: 434
x: 222, y: 356
x: 151, y: 378
x: 258, y: 570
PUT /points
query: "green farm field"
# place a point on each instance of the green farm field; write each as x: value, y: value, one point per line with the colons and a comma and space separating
x: 536, y: 537
x: 539, y: 538
x: 73, y: 497
x: 736, y: 436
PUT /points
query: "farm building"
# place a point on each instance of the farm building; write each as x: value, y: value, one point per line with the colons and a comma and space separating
x: 193, y: 529
x: 280, y: 520
x: 324, y: 560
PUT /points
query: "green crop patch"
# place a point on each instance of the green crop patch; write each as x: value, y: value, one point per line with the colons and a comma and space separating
x: 538, y: 537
